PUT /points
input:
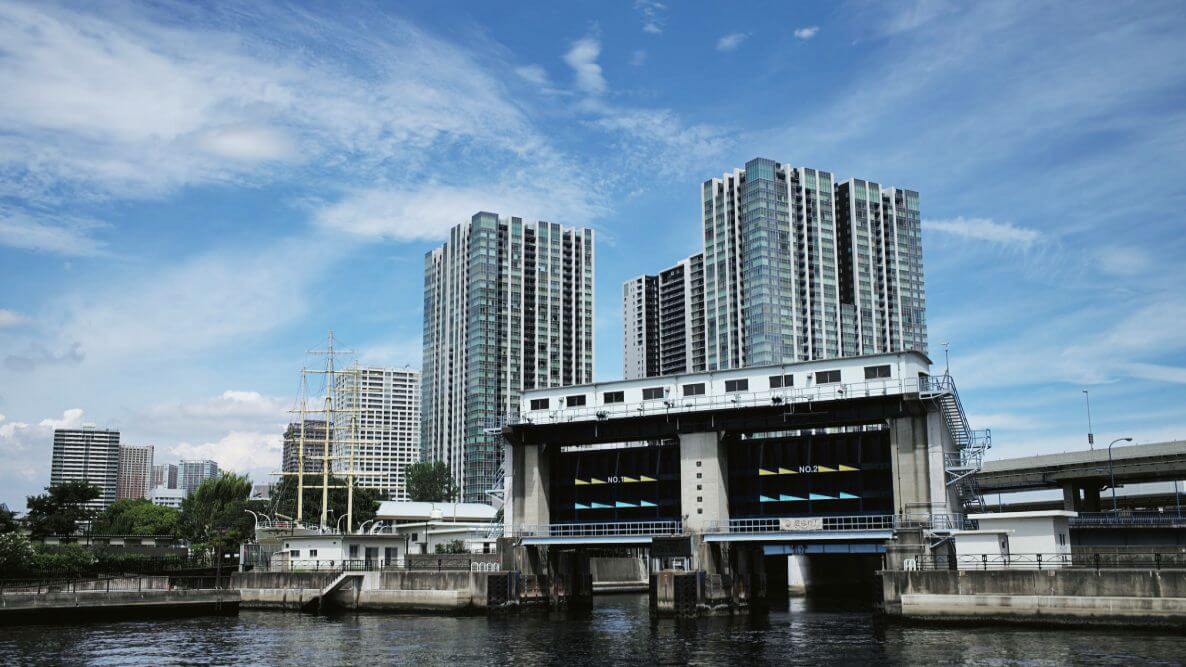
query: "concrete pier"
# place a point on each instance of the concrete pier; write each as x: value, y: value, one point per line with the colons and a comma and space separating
x: 1063, y: 596
x: 145, y: 596
x: 459, y: 591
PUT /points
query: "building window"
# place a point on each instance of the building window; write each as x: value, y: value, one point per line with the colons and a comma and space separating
x: 539, y: 404
x: 354, y: 550
x: 296, y: 553
x: 827, y: 377
x: 574, y: 401
x: 875, y: 372
x: 780, y: 381
x: 652, y: 393
x: 312, y: 553
x: 613, y: 397
x: 696, y: 389
x: 737, y: 385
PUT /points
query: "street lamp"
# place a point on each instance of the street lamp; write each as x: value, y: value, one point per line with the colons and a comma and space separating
x: 1090, y: 432
x: 1111, y: 472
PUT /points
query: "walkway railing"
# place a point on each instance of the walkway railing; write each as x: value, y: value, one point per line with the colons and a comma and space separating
x: 1104, y: 519
x: 608, y: 529
x: 940, y: 522
x: 1051, y: 561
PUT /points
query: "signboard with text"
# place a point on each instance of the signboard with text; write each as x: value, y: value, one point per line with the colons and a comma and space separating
x: 802, y: 523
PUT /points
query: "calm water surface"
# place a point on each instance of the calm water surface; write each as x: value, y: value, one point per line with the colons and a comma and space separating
x: 617, y: 631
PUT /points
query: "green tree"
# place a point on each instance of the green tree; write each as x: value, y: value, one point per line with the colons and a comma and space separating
x: 137, y: 517
x: 430, y: 481
x: 451, y: 547
x: 8, y: 522
x: 215, y: 515
x: 60, y: 509
x: 16, y: 552
x: 366, y: 501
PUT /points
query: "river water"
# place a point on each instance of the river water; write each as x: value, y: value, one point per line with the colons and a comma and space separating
x: 617, y: 631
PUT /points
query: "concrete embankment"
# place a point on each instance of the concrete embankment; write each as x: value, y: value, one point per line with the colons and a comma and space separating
x: 149, y: 596
x: 375, y: 591
x: 1061, y: 596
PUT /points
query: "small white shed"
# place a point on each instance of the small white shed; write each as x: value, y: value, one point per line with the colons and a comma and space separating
x: 1016, y: 540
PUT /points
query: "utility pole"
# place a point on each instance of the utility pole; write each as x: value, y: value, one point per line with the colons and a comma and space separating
x: 946, y: 359
x: 1090, y: 430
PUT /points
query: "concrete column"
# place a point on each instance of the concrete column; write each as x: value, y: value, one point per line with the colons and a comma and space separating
x: 704, y: 498
x: 1091, y: 498
x: 1070, y: 497
x: 917, y: 466
x: 530, y: 483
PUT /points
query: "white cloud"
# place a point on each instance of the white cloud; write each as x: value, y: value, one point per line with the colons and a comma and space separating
x: 638, y: 58
x: 114, y: 104
x: 731, y: 41
x: 429, y: 212
x: 1124, y: 260
x: 248, y: 452
x: 71, y: 418
x: 11, y: 318
x: 653, y: 15
x: 249, y: 143
x: 806, y: 32
x: 37, y: 355
x: 582, y: 58
x: 533, y: 74
x: 984, y: 229
x: 65, y: 236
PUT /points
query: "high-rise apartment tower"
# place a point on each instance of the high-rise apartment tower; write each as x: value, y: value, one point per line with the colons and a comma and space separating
x: 508, y: 306
x: 135, y: 472
x: 384, y: 405
x: 87, y: 454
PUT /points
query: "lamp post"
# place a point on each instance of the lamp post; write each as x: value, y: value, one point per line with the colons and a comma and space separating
x: 1111, y: 471
x: 1090, y: 432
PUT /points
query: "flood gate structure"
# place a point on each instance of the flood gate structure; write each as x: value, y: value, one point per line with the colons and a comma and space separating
x: 720, y: 473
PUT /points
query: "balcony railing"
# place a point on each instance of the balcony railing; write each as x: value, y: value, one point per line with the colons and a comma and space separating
x: 1051, y: 561
x: 607, y: 529
x: 1104, y: 519
x: 859, y: 522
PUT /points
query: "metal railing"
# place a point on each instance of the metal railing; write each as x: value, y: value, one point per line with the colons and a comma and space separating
x: 330, y: 565
x: 1051, y: 561
x: 934, y: 522
x: 607, y: 529
x: 1087, y: 519
x: 681, y: 405
x: 114, y: 584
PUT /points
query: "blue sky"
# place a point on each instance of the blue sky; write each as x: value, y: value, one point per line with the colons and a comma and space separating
x: 191, y: 196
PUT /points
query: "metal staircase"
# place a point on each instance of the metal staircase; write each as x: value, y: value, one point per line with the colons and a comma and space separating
x: 961, y: 465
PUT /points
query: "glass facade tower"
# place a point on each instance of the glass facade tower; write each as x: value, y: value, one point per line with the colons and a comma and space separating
x: 508, y: 306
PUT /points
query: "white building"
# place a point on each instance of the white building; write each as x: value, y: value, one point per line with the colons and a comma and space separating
x: 399, y: 528
x: 90, y: 455
x: 192, y: 472
x: 1016, y: 540
x: 384, y: 406
x: 164, y: 496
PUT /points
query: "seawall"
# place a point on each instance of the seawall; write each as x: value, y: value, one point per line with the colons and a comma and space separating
x: 1057, y: 596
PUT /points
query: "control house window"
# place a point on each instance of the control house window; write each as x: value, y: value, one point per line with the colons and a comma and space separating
x: 875, y: 372
x: 827, y: 377
x: 737, y: 385
x: 651, y: 393
x: 574, y: 401
x: 780, y: 381
x: 539, y: 404
x: 696, y: 389
x: 613, y: 397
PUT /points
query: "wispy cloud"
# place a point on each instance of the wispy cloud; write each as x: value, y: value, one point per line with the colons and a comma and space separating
x: 654, y: 15
x: 582, y: 58
x: 59, y: 235
x: 533, y: 74
x: 984, y: 229
x: 11, y: 318
x: 806, y: 32
x: 638, y: 58
x: 731, y: 41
